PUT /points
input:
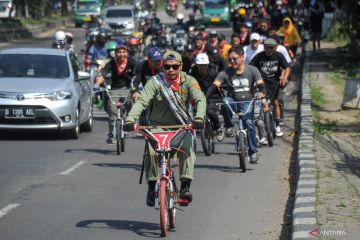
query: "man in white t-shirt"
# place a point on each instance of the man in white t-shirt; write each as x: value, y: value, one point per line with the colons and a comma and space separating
x: 253, y: 48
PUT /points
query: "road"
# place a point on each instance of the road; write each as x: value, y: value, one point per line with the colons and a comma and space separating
x: 55, y: 188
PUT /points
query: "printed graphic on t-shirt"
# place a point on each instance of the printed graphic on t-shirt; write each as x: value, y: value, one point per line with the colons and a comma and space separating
x: 269, y: 68
x: 241, y: 84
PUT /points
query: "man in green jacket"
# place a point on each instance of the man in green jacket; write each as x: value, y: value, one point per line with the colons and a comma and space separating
x: 188, y: 91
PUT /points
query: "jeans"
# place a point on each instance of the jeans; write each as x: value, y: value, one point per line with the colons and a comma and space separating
x: 248, y: 120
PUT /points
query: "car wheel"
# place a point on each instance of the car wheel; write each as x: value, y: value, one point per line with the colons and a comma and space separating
x: 75, y: 132
x: 88, y: 125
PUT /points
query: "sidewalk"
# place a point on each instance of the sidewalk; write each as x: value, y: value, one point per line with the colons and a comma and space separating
x: 336, y: 146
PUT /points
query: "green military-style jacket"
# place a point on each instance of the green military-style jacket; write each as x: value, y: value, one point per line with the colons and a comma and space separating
x: 161, y: 114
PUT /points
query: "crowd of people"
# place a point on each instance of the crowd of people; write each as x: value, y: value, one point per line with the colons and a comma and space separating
x: 170, y: 85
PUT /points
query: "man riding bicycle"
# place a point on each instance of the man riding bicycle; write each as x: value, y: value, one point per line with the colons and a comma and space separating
x: 240, y: 79
x: 167, y: 96
x: 122, y: 70
x: 275, y: 71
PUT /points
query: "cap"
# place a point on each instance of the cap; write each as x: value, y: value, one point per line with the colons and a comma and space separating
x: 270, y: 42
x: 199, y: 27
x: 213, y: 33
x: 172, y: 55
x: 121, y: 46
x: 198, y: 37
x: 255, y: 36
x: 221, y: 37
x: 202, y: 58
x: 155, y: 54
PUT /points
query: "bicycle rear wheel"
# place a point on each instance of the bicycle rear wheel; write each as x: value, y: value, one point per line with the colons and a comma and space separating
x: 118, y: 137
x: 243, y: 154
x: 207, y: 139
x: 163, y: 195
x: 268, y: 128
x: 122, y: 138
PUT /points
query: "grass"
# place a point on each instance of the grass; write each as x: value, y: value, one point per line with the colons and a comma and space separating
x: 337, y: 34
x: 317, y: 96
x: 16, y: 23
x: 337, y: 79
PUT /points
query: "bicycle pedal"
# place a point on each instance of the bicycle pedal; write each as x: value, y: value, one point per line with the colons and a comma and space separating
x: 183, y: 202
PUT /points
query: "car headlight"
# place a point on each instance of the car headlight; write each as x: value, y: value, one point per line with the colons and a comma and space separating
x: 59, y: 95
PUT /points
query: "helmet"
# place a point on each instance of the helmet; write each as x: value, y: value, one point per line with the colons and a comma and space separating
x: 202, y: 58
x: 134, y: 41
x: 180, y: 16
x: 69, y: 35
x: 242, y: 11
x: 102, y: 33
x: 60, y: 36
x: 121, y: 47
x: 111, y: 46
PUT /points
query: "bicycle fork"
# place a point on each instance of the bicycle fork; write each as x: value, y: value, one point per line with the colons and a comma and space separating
x: 170, y: 188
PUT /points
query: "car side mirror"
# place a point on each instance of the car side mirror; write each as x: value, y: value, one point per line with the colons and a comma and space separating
x: 82, y: 75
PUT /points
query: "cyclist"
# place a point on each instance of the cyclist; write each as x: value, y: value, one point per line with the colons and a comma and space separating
x: 224, y: 48
x: 188, y: 58
x: 253, y: 48
x: 216, y: 58
x: 275, y: 71
x: 179, y: 25
x: 292, y: 37
x: 122, y: 70
x: 59, y: 40
x: 146, y: 69
x: 240, y: 79
x: 167, y: 95
x: 205, y: 73
x: 213, y: 40
x: 98, y: 50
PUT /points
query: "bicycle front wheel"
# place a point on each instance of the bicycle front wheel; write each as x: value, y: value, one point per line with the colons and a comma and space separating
x: 242, y: 151
x: 163, y: 195
x: 118, y: 137
x: 207, y: 140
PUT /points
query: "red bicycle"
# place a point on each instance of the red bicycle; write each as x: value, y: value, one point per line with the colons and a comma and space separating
x: 166, y: 143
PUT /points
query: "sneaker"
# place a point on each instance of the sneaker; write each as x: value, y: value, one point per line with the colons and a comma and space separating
x: 253, y: 158
x: 279, y: 132
x: 220, y: 134
x: 263, y: 141
x: 229, y: 132
x: 110, y: 139
x: 185, y: 194
x: 150, y: 196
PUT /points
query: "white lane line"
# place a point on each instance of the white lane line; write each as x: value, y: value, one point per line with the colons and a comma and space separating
x: 68, y: 171
x: 7, y: 209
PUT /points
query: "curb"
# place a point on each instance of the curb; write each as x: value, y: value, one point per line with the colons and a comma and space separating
x: 304, y: 220
x: 34, y: 32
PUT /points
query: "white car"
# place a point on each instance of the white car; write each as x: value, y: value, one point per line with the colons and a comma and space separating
x: 5, y: 7
x: 121, y: 19
x: 42, y: 88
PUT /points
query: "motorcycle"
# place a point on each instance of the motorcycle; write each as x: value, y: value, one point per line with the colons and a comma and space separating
x: 171, y: 9
x: 179, y: 41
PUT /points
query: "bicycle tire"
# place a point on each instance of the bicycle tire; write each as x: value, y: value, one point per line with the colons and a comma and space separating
x: 163, y: 207
x: 268, y: 129
x: 122, y: 138
x: 118, y: 138
x: 242, y: 151
x: 206, y: 139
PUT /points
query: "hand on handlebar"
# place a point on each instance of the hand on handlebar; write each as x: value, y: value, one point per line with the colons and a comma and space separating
x: 129, y: 126
x: 198, y: 123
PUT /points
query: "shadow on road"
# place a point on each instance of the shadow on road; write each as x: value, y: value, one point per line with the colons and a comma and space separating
x: 227, y: 169
x: 137, y: 167
x: 99, y: 151
x: 144, y: 229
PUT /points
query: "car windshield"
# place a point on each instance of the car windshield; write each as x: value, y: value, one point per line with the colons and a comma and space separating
x: 87, y: 5
x: 33, y: 66
x: 118, y: 13
x: 3, y: 5
x: 215, y: 3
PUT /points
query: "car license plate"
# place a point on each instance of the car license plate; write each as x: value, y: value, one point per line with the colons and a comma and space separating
x: 20, y: 113
x: 87, y: 19
x: 215, y: 19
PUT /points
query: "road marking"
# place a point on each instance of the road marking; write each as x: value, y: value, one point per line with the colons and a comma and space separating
x: 7, y: 209
x: 68, y: 171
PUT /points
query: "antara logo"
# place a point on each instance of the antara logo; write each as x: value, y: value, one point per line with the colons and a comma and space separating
x: 319, y: 233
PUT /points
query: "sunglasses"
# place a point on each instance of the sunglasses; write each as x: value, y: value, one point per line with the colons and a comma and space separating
x: 174, y: 66
x: 233, y: 59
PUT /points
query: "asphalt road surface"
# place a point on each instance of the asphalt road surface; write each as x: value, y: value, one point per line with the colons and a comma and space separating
x: 55, y: 188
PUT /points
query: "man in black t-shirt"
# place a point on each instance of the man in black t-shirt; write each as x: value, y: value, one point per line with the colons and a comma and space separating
x: 275, y: 71
x: 121, y: 68
x: 241, y: 79
x: 205, y: 73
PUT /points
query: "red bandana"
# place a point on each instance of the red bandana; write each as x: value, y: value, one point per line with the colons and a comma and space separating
x: 175, y: 84
x: 120, y: 67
